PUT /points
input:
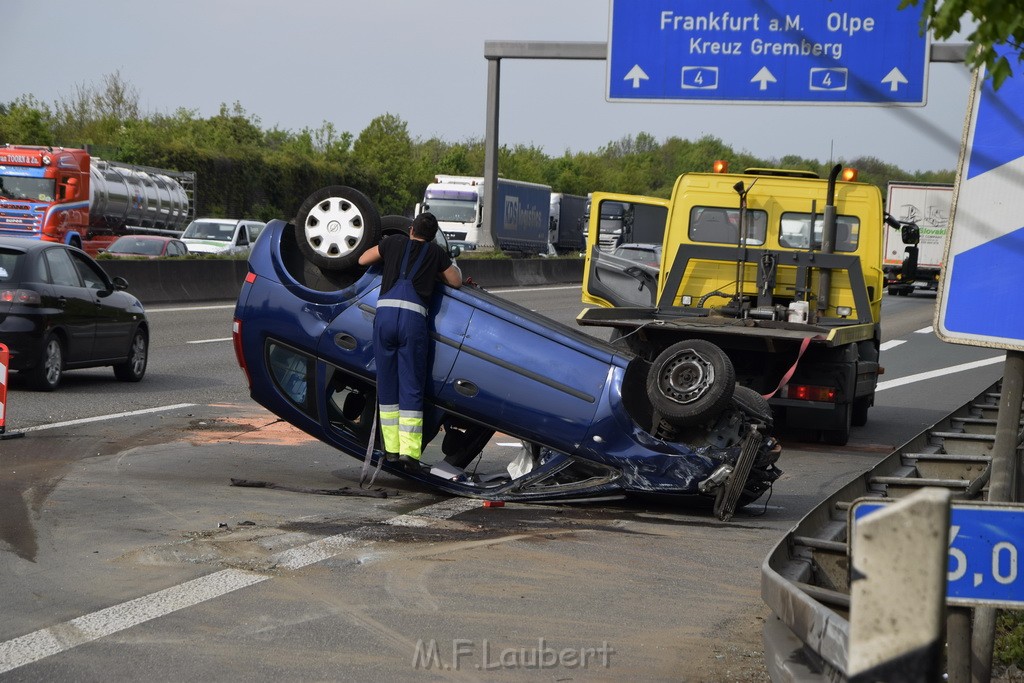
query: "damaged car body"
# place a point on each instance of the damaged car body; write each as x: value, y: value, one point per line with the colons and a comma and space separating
x: 595, y: 421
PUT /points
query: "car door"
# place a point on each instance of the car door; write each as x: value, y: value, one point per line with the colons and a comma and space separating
x: 524, y: 374
x: 114, y: 323
x: 74, y: 305
x: 609, y: 280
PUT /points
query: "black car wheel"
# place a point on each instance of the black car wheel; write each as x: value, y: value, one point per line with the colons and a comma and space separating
x: 394, y: 225
x: 335, y: 225
x: 753, y: 404
x: 133, y: 369
x: 46, y: 375
x: 691, y: 381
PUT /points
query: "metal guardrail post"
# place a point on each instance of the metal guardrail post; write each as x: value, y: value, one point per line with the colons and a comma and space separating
x: 897, y: 616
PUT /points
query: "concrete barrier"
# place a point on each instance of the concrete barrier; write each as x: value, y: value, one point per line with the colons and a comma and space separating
x: 179, y: 281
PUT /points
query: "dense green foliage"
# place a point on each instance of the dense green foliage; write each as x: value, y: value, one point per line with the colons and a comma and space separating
x: 997, y: 24
x: 245, y: 171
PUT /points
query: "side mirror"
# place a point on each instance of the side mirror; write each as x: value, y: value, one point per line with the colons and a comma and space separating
x: 70, y: 188
x: 454, y: 250
x: 119, y: 283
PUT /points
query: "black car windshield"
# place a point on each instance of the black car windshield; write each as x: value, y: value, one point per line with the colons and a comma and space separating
x: 134, y: 245
x: 19, y: 187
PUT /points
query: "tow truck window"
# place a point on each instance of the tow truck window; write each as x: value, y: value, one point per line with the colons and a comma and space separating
x: 35, y: 189
x: 795, y: 232
x: 722, y: 226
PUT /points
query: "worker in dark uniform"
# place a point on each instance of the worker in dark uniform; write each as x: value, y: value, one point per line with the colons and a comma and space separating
x: 411, y: 267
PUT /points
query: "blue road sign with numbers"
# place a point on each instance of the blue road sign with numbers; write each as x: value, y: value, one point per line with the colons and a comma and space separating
x: 767, y: 51
x: 986, y: 541
x: 984, y: 260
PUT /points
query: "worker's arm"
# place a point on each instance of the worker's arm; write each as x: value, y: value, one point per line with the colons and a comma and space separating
x: 370, y: 256
x: 452, y: 276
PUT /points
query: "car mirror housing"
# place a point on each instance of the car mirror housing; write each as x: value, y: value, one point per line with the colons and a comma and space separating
x: 119, y: 283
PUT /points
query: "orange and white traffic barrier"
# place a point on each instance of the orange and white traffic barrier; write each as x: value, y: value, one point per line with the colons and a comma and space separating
x: 4, y: 357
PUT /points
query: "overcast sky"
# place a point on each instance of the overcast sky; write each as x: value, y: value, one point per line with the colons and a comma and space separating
x: 298, y: 63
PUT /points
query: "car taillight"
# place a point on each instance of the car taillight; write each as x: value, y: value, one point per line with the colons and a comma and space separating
x: 236, y: 342
x: 808, y: 392
x: 27, y: 297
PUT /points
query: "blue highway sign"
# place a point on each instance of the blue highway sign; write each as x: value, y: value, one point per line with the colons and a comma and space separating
x: 984, y: 261
x: 986, y: 542
x: 767, y: 51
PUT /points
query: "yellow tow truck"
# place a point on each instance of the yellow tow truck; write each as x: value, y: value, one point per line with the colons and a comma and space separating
x: 770, y: 278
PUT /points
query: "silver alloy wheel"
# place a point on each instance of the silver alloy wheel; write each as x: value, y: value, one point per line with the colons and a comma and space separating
x: 53, y: 361
x: 138, y: 354
x: 334, y: 227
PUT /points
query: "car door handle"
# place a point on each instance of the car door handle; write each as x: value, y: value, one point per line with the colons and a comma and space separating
x: 466, y: 388
x: 345, y: 341
x: 62, y: 302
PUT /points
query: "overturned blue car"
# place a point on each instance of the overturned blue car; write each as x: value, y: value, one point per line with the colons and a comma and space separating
x: 581, y: 407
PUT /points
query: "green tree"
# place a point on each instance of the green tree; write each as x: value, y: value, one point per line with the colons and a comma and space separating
x: 997, y: 23
x: 26, y: 122
x: 383, y: 162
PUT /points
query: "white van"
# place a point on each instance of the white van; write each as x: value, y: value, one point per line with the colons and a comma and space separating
x: 221, y: 235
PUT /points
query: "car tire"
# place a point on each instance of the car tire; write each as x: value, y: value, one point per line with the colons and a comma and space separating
x: 134, y: 368
x: 394, y: 225
x: 335, y: 225
x: 49, y: 369
x: 841, y: 436
x: 753, y: 404
x: 690, y: 382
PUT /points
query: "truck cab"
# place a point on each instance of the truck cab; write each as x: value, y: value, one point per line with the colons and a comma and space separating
x: 779, y: 268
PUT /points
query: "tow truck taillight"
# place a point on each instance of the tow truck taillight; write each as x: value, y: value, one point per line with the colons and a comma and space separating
x: 809, y: 392
x: 236, y: 342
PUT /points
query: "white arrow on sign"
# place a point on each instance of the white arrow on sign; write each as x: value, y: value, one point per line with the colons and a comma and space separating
x: 636, y: 74
x: 764, y: 77
x: 894, y: 78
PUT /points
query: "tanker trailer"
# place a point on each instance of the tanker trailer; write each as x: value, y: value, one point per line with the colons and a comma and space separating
x: 64, y: 195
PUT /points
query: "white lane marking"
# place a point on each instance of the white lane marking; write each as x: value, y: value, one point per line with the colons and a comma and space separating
x: 209, y: 341
x: 892, y: 344
x: 932, y: 374
x: 53, y: 640
x: 925, y: 330
x: 186, y: 309
x: 100, y: 418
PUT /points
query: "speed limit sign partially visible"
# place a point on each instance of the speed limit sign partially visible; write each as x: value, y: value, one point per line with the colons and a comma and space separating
x: 986, y: 545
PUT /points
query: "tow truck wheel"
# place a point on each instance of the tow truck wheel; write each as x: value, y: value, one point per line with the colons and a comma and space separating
x: 839, y: 437
x: 335, y: 225
x: 691, y: 381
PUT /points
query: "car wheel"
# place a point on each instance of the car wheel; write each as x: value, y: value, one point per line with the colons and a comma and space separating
x: 753, y: 404
x: 133, y: 369
x: 394, y: 225
x: 47, y: 373
x: 335, y: 225
x: 691, y: 381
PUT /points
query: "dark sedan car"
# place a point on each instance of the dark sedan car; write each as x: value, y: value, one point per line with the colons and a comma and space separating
x: 580, y: 406
x: 59, y: 310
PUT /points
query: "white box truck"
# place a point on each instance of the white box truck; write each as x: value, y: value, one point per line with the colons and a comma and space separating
x: 918, y: 217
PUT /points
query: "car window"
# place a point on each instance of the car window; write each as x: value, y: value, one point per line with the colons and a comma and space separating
x: 795, y: 231
x: 91, y: 275
x: 722, y: 226
x: 243, y: 236
x: 176, y: 249
x: 8, y: 263
x: 293, y: 374
x: 62, y: 269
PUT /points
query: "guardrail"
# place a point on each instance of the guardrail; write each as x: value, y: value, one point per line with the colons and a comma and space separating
x: 805, y: 580
x: 191, y: 280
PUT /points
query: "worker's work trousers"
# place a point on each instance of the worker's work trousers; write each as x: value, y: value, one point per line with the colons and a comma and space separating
x: 400, y: 345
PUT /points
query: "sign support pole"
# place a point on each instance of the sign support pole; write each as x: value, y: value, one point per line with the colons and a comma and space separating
x: 1003, y: 487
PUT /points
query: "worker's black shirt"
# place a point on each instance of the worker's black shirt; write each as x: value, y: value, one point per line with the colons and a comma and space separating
x: 437, y: 260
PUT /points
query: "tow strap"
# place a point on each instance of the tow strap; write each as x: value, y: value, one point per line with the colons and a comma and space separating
x: 369, y: 455
x: 789, y: 373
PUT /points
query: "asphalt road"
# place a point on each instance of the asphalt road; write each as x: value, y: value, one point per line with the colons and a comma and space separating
x: 126, y: 553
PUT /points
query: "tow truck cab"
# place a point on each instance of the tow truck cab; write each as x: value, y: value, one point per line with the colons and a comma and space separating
x: 780, y: 268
